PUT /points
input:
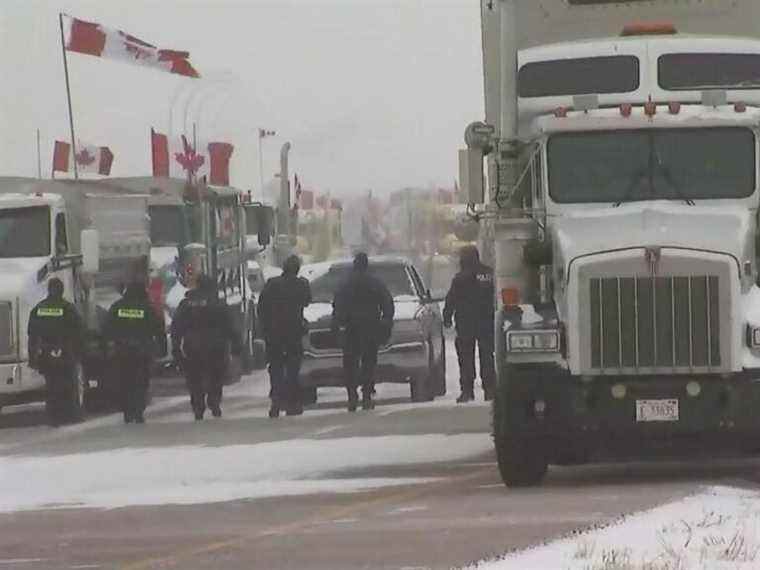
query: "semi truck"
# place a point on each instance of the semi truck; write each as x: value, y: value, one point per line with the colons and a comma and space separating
x: 619, y: 207
x: 94, y: 241
x: 205, y: 226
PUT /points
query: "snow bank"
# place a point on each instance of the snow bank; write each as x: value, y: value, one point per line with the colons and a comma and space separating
x: 717, y: 529
x: 191, y: 474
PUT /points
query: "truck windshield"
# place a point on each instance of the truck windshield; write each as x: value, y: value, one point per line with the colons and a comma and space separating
x: 667, y: 164
x: 166, y: 225
x: 25, y: 232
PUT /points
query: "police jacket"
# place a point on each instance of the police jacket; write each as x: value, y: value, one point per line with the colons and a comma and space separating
x: 133, y: 320
x: 470, y: 301
x: 363, y: 302
x: 55, y: 322
x: 202, y: 325
x: 281, y: 306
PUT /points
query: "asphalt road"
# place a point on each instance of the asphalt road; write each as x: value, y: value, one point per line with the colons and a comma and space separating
x: 434, y: 513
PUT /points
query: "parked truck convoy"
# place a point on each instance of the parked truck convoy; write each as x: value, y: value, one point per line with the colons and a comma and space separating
x: 83, y: 234
x: 621, y: 216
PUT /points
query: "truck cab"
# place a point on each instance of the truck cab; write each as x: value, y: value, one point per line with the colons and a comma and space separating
x: 621, y: 217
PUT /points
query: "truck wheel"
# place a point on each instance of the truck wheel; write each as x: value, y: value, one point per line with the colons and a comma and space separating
x: 259, y: 355
x: 421, y: 385
x: 440, y: 371
x: 522, y: 461
x: 71, y: 404
x: 247, y: 359
x: 309, y: 396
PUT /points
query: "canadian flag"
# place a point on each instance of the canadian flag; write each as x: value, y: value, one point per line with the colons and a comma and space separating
x: 179, y: 159
x: 89, y: 158
x: 93, y: 39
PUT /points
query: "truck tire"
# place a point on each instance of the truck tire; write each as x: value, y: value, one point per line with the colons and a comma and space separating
x: 422, y: 384
x: 247, y: 359
x: 71, y: 404
x: 521, y: 460
x: 440, y: 371
x: 309, y: 395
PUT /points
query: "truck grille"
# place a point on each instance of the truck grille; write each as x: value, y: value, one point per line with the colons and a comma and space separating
x: 655, y: 322
x: 7, y: 346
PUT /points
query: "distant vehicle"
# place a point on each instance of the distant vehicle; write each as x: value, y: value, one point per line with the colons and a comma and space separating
x: 415, y: 353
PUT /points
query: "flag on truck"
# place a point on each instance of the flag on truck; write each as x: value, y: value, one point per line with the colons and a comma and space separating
x: 89, y: 158
x: 177, y: 158
x: 90, y: 38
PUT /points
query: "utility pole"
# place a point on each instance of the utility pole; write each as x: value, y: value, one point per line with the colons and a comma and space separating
x: 39, y: 159
x: 284, y: 226
x: 263, y: 133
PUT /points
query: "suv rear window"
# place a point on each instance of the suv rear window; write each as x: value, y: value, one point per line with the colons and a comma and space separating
x: 580, y: 76
x: 681, y: 71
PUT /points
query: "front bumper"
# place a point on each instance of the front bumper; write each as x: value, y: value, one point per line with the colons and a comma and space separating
x: 395, y: 363
x: 17, y: 378
x: 599, y: 415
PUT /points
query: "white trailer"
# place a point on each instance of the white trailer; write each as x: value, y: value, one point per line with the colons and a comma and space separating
x: 81, y: 233
x: 621, y: 217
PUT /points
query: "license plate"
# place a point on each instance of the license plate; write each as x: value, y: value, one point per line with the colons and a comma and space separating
x: 656, y: 410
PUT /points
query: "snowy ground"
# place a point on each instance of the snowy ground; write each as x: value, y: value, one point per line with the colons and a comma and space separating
x: 715, y: 529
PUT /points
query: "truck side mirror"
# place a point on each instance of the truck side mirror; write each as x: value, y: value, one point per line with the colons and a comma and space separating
x: 90, y: 244
x: 471, y: 174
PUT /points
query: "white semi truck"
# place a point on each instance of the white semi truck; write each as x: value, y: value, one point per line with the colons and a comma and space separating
x: 620, y: 212
x: 83, y: 234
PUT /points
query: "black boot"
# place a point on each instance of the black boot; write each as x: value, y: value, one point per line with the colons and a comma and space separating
x: 139, y: 418
x: 216, y: 411
x: 367, y: 401
x: 199, y: 415
x: 353, y: 399
x: 128, y: 419
x: 465, y: 397
x: 294, y: 410
x: 274, y: 411
x: 488, y: 395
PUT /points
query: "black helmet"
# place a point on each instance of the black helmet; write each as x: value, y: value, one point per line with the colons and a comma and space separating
x: 361, y: 261
x: 55, y: 288
x: 469, y: 258
x: 292, y: 265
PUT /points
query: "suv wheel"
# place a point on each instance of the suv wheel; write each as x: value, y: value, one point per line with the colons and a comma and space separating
x: 421, y: 385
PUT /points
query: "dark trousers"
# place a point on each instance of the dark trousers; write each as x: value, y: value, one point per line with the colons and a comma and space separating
x: 360, y: 359
x: 57, y: 382
x: 132, y: 368
x: 284, y: 356
x: 466, y: 355
x: 205, y: 373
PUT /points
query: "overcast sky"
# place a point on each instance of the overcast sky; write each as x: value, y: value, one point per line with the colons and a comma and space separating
x: 372, y: 93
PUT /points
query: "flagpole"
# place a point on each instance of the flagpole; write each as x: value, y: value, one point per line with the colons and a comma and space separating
x: 68, y: 96
x: 261, y: 167
x: 39, y: 160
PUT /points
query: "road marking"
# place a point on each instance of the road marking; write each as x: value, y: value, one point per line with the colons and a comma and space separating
x: 494, y: 486
x: 22, y: 560
x: 330, y: 429
x: 325, y: 515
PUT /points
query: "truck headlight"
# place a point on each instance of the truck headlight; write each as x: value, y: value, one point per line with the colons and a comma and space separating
x: 533, y: 341
x: 753, y: 336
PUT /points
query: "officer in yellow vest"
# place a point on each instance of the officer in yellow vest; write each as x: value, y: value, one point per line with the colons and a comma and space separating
x: 133, y: 330
x: 55, y: 336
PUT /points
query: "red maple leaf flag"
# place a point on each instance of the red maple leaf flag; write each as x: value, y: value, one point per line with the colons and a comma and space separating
x: 177, y: 158
x: 219, y: 163
x: 61, y: 154
x: 89, y: 158
x: 91, y: 38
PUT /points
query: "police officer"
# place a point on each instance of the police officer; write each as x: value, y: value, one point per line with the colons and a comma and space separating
x: 470, y: 301
x: 203, y: 334
x: 364, y: 306
x: 281, y: 306
x: 55, y: 337
x: 133, y: 332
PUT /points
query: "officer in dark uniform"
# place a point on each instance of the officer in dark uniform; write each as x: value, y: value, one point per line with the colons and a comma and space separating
x: 203, y: 334
x: 470, y: 301
x: 133, y: 332
x: 55, y: 339
x: 281, y: 306
x: 364, y: 306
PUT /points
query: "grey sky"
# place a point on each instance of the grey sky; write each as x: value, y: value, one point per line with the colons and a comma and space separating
x: 372, y: 93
